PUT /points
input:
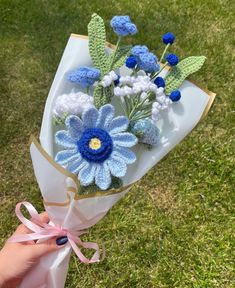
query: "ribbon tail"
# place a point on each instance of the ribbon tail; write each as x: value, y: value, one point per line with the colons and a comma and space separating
x: 89, y: 245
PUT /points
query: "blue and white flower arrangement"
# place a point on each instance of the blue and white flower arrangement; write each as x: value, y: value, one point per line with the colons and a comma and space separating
x: 96, y: 143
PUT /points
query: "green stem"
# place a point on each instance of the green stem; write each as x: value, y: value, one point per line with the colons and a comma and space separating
x: 127, y: 105
x: 114, y: 53
x: 164, y: 52
x: 135, y: 105
x: 87, y: 90
x: 141, y: 116
x: 158, y: 72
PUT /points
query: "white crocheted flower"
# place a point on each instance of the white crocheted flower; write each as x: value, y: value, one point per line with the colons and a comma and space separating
x: 74, y: 103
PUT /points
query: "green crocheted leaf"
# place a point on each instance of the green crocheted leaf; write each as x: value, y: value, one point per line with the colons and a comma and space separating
x: 181, y: 71
x: 97, y: 41
x: 102, y: 96
x: 120, y: 57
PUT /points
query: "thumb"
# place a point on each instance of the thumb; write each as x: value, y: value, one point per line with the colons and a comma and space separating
x: 48, y: 246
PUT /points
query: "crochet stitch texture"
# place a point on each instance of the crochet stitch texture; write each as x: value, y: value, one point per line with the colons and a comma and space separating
x: 146, y: 131
x: 160, y: 82
x: 168, y: 38
x: 175, y: 96
x: 74, y: 103
x: 123, y: 26
x: 84, y: 76
x: 139, y: 49
x: 96, y: 146
x: 172, y: 59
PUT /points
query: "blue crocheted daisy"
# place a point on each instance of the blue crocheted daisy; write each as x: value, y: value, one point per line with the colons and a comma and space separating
x: 96, y: 146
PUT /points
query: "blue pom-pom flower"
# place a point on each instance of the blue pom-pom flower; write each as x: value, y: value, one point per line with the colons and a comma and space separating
x: 175, y: 96
x: 160, y: 82
x: 146, y: 131
x: 123, y: 26
x: 84, y: 76
x: 172, y: 59
x: 131, y: 62
x: 148, y: 62
x: 139, y: 49
x: 96, y: 146
x: 168, y: 38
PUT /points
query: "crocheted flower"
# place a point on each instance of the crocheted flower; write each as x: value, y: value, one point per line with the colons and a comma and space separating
x: 96, y: 146
x: 139, y: 49
x: 148, y: 62
x: 168, y: 38
x: 131, y: 62
x: 175, y: 96
x: 72, y: 104
x: 123, y: 26
x: 84, y: 76
x: 146, y: 131
x: 160, y: 82
x: 172, y: 59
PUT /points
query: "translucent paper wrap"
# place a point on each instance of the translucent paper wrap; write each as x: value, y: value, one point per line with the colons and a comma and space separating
x: 59, y: 188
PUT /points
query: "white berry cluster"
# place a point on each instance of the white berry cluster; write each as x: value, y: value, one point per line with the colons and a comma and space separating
x: 109, y: 78
x: 162, y: 102
x: 73, y: 103
x: 130, y: 85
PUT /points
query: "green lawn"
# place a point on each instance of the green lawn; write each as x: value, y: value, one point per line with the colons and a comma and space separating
x: 176, y: 227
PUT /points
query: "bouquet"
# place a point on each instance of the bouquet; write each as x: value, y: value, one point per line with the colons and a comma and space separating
x: 112, y: 113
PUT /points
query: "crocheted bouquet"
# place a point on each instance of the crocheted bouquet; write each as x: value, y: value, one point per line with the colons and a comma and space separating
x: 96, y: 143
x: 112, y: 113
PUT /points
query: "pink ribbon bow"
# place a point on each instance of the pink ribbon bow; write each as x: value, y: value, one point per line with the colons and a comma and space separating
x: 45, y: 231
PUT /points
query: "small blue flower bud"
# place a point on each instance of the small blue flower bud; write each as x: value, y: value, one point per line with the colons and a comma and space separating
x: 160, y: 82
x: 175, y: 96
x: 168, y: 38
x: 131, y: 62
x: 172, y: 59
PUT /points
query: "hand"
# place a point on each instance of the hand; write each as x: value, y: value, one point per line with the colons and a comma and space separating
x: 16, y: 259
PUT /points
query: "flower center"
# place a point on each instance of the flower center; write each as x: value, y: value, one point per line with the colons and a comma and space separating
x: 95, y: 145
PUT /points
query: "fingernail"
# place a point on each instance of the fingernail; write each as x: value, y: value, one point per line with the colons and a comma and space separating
x: 61, y: 240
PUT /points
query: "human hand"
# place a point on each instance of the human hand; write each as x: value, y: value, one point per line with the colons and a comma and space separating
x: 17, y: 259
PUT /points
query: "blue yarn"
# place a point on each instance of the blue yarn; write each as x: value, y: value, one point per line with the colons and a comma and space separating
x: 131, y: 62
x: 84, y: 76
x: 96, y: 165
x: 98, y: 155
x: 123, y: 26
x: 160, y: 82
x: 168, y: 38
x: 139, y: 49
x: 146, y: 131
x: 172, y: 59
x: 175, y: 96
x: 148, y: 62
x: 117, y: 81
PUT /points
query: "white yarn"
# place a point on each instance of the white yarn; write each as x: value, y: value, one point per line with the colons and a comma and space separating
x: 109, y: 78
x: 72, y: 103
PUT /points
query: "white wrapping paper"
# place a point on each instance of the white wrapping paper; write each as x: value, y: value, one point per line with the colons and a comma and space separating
x: 59, y: 187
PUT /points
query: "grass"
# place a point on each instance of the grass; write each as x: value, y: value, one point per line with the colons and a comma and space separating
x: 176, y: 227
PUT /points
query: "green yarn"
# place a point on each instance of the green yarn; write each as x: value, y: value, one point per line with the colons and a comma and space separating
x: 120, y: 57
x: 97, y: 43
x: 181, y: 71
x: 102, y: 95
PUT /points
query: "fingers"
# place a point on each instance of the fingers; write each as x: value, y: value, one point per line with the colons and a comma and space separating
x: 21, y: 229
x: 40, y: 249
x: 44, y: 217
